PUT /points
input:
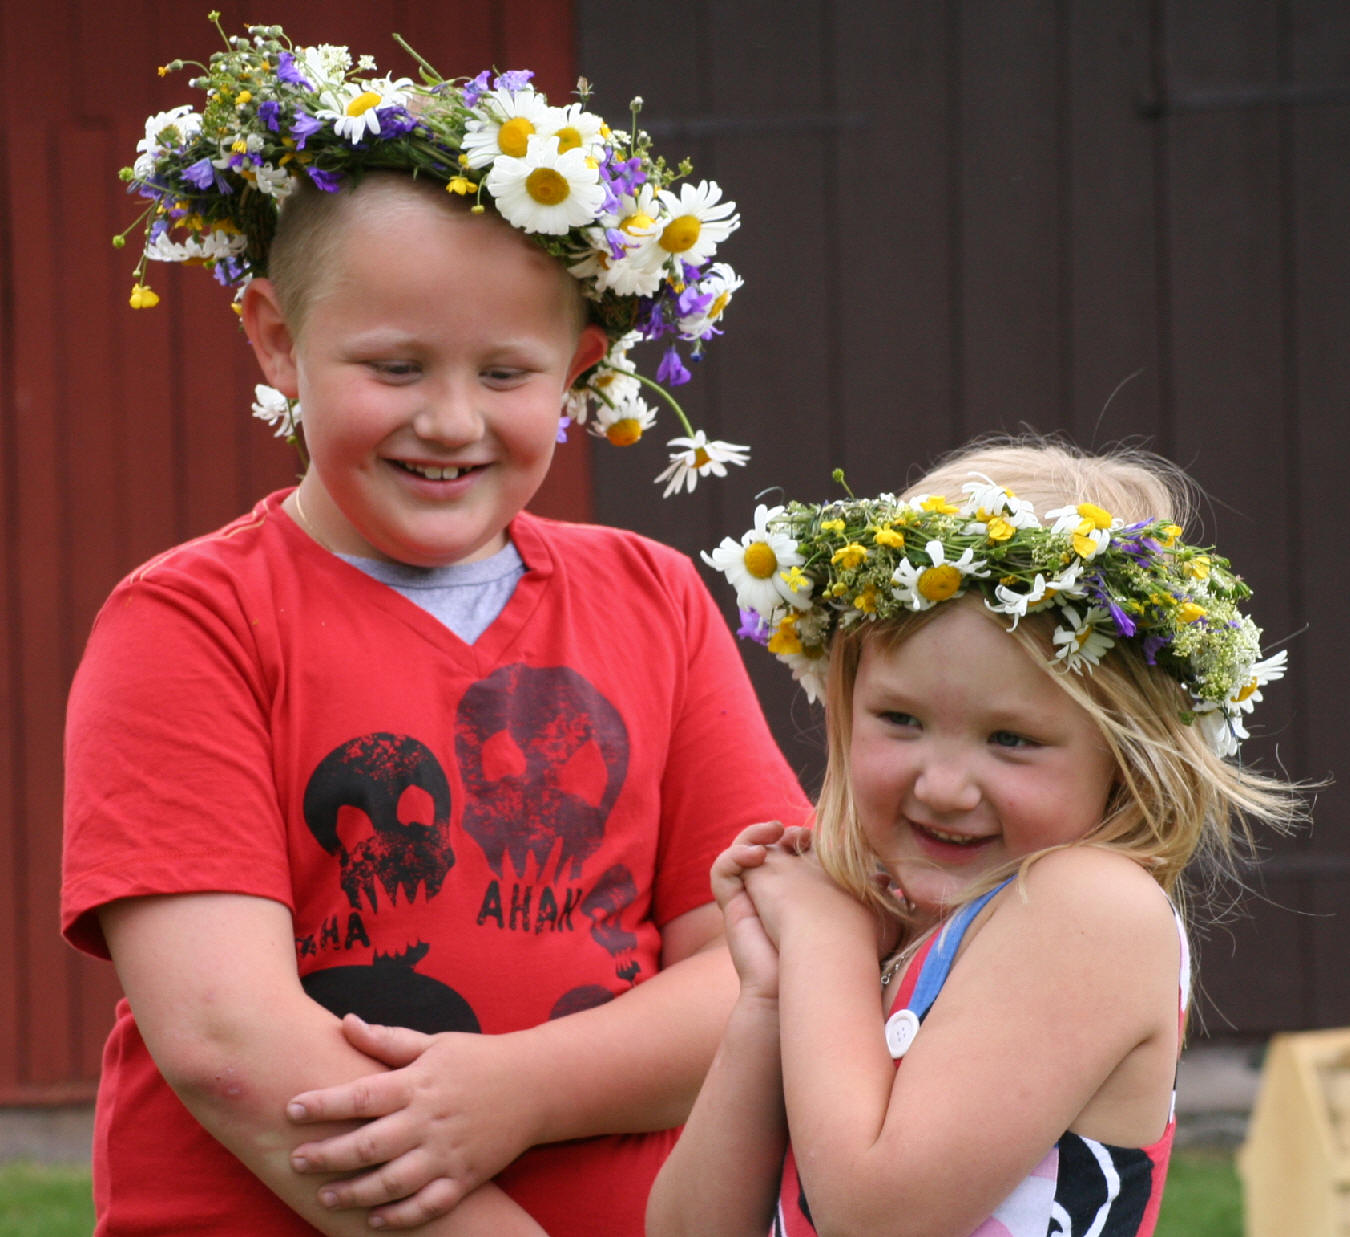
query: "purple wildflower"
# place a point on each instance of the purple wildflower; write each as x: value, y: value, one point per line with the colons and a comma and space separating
x: 514, y: 79
x: 617, y: 246
x: 753, y: 627
x: 269, y: 111
x: 475, y: 89
x: 287, y: 72
x: 692, y: 301
x: 302, y: 127
x: 672, y: 371
x: 563, y: 422
x: 1151, y: 646
x: 627, y: 175
x: 329, y: 182
x: 396, y: 121
x: 204, y: 175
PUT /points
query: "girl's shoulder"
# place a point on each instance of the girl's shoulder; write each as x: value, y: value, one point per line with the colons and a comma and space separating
x: 1088, y: 896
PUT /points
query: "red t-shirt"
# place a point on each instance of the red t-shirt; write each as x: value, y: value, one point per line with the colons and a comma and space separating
x: 469, y: 837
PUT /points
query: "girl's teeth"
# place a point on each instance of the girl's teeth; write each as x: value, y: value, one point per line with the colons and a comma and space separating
x: 435, y: 474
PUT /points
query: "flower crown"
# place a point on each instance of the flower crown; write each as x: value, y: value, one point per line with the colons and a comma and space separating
x: 808, y: 570
x: 640, y: 246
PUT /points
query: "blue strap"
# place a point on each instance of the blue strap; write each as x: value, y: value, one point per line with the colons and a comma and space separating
x: 939, y: 960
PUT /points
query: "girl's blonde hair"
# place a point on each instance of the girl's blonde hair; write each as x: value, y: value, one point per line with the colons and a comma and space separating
x: 1175, y: 799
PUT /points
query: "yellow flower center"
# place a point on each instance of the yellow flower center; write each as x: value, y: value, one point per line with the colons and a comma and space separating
x: 1246, y: 691
x: 514, y: 136
x: 547, y: 187
x: 681, y: 234
x: 760, y: 560
x: 701, y: 458
x: 1084, y: 545
x: 568, y: 139
x: 624, y: 432
x: 939, y: 583
x: 638, y: 221
x: 715, y: 311
x: 363, y: 102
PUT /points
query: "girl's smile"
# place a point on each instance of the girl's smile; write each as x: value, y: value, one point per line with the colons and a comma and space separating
x: 967, y: 756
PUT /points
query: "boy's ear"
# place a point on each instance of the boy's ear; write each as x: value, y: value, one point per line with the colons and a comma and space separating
x: 273, y: 343
x: 592, y: 345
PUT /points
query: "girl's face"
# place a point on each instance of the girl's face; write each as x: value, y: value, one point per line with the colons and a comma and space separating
x: 966, y: 755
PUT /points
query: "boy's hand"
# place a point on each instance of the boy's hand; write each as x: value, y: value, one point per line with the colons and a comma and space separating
x: 438, y: 1125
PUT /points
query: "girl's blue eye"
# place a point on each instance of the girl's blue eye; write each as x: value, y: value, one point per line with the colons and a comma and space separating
x: 897, y: 718
x: 1006, y: 738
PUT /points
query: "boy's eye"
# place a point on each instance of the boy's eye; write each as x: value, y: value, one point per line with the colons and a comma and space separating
x: 396, y: 369
x: 502, y: 375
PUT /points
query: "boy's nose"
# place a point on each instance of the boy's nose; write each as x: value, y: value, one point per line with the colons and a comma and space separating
x: 449, y: 416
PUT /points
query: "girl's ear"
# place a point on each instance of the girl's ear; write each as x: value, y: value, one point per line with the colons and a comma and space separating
x: 273, y: 343
x: 591, y: 347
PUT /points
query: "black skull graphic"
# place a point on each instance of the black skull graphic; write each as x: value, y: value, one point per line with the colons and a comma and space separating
x: 401, y: 839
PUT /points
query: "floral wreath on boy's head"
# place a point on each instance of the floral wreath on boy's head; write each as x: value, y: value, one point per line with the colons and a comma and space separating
x: 807, y: 571
x: 640, y: 245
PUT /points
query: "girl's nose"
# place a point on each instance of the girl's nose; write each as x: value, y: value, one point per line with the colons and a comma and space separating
x: 945, y: 783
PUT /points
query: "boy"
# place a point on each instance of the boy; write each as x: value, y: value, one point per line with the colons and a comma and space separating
x: 379, y: 748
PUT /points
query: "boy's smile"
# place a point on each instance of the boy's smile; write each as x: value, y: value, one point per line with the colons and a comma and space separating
x: 431, y: 363
x: 966, y: 755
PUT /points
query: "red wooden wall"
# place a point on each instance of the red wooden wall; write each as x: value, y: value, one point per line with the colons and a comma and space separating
x: 126, y: 431
x: 1119, y: 218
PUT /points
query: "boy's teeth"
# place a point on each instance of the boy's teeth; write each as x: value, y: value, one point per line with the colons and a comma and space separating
x: 434, y: 474
x: 959, y: 839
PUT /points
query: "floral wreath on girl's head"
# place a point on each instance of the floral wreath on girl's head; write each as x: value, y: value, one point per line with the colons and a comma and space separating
x: 806, y: 571
x: 640, y: 245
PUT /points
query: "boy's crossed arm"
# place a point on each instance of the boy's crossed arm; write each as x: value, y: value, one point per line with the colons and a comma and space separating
x: 633, y: 1064
x: 212, y: 982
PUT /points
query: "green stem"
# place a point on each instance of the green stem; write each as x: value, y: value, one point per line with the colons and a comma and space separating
x: 669, y: 398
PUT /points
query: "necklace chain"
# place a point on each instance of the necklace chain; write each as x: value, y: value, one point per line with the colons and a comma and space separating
x: 305, y: 523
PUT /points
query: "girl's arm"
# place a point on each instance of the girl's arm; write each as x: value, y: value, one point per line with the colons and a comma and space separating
x: 722, y: 1178
x: 212, y: 982
x: 1060, y: 997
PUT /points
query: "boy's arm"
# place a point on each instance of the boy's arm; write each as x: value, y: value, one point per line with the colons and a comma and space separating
x: 470, y: 1103
x: 212, y: 982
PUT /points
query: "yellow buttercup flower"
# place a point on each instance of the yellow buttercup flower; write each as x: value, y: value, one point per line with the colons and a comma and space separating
x: 850, y: 556
x: 143, y: 297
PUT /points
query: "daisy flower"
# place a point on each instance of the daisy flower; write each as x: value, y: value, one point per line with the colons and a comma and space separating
x: 757, y: 566
x: 918, y: 588
x: 272, y: 406
x: 624, y: 421
x: 694, y: 456
x: 354, y: 108
x: 575, y: 128
x: 696, y: 222
x: 714, y: 292
x: 545, y: 191
x: 322, y: 65
x: 171, y: 130
x: 1248, y: 695
x: 502, y: 124
x: 1085, y: 640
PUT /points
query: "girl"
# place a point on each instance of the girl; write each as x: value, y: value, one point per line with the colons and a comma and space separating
x: 1027, y: 718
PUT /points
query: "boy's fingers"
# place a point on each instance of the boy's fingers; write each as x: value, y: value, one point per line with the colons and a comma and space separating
x: 400, y: 1181
x: 376, y: 1096
x: 393, y: 1046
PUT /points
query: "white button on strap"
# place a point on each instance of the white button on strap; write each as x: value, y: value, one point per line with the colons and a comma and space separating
x: 901, y: 1028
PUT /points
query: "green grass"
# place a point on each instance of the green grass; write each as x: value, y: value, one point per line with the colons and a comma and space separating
x: 1203, y: 1199
x: 45, y: 1201
x: 1203, y: 1196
